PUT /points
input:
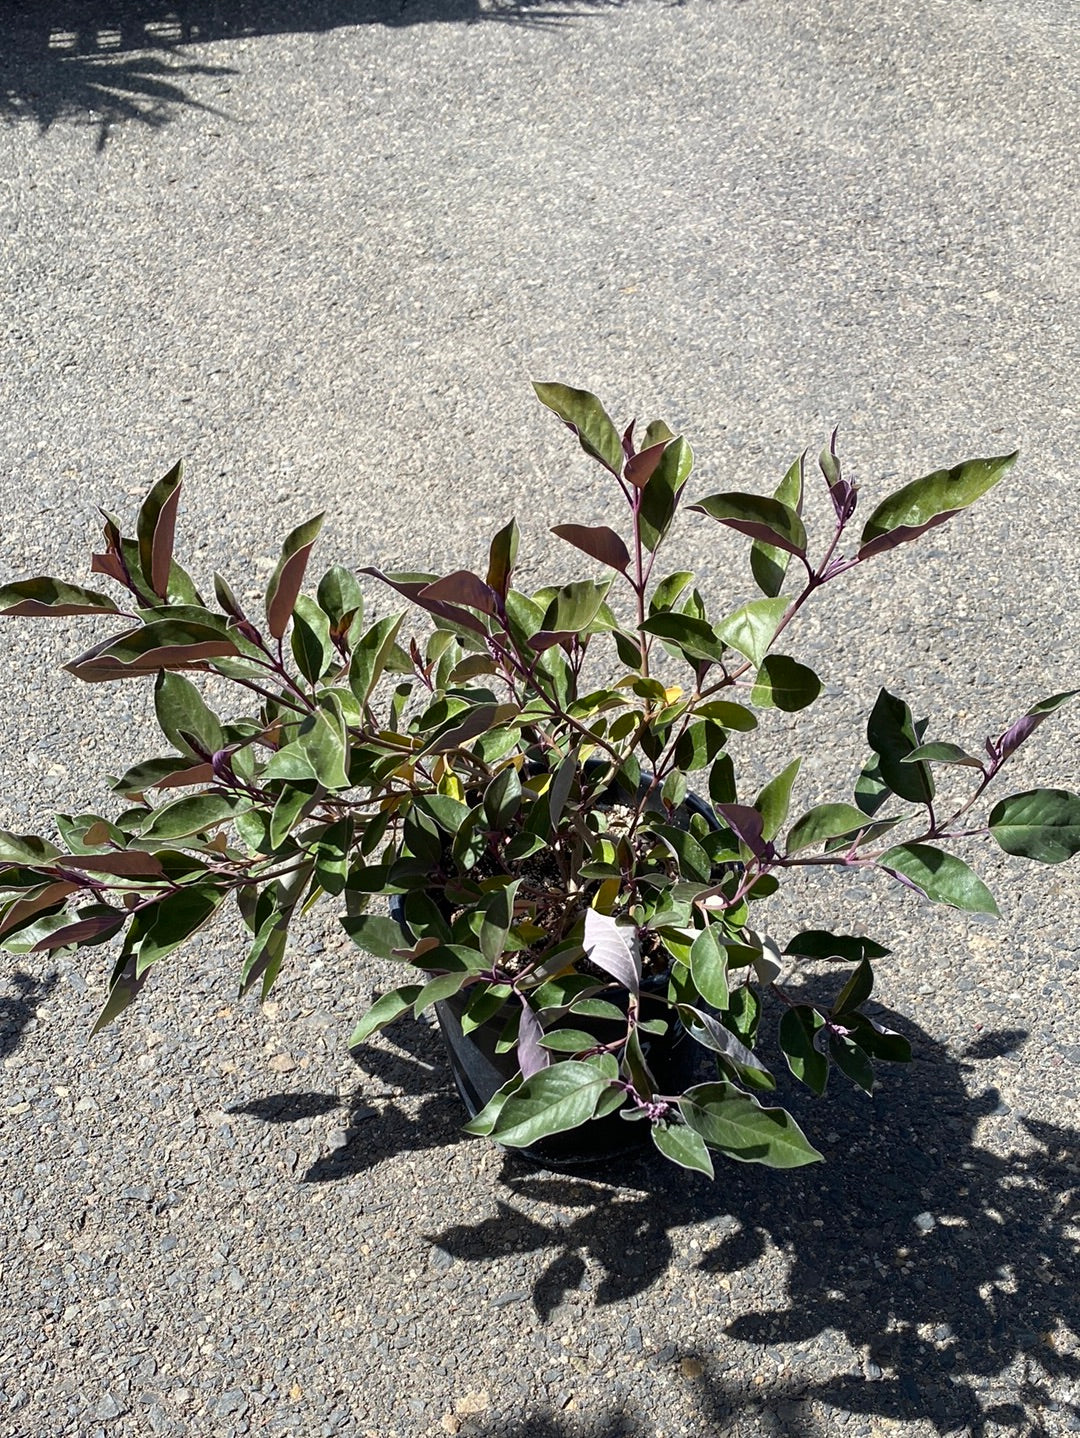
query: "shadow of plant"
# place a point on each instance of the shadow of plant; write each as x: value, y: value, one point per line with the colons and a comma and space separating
x: 416, y: 1068
x: 943, y: 1261
x: 18, y: 1009
x: 105, y: 62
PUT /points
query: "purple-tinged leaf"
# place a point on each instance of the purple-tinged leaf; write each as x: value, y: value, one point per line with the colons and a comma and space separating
x: 628, y: 440
x: 713, y: 1035
x: 641, y: 468
x: 83, y: 931
x: 614, y: 948
x: 746, y: 824
x: 287, y: 578
x: 45, y: 596
x: 412, y: 587
x: 769, y: 520
x: 128, y: 863
x: 462, y: 587
x: 156, y: 527
x: 502, y: 556
x: 1026, y: 725
x: 531, y: 1054
x: 162, y: 645
x: 111, y: 562
x: 599, y: 543
x: 845, y: 497
x: 23, y: 910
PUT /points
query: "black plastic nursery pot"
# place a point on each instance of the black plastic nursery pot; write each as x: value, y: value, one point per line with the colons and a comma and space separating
x: 479, y: 1071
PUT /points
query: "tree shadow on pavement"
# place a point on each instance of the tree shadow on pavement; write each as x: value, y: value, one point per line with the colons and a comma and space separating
x: 105, y: 62
x: 948, y: 1265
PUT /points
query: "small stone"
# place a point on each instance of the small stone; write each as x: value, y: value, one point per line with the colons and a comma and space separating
x: 282, y: 1064
x: 691, y: 1368
x: 472, y: 1403
x: 231, y: 1401
x: 449, y: 1424
x: 924, y: 1222
x: 107, y: 1408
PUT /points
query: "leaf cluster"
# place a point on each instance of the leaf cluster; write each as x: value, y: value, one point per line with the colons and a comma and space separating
x: 573, y: 864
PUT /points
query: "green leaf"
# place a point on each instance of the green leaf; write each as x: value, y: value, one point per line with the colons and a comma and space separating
x: 288, y: 809
x: 735, y: 1123
x: 823, y: 821
x: 666, y: 594
x: 375, y: 934
x: 799, y: 1027
x: 783, y: 683
x: 502, y: 798
x: 769, y: 520
x: 442, y: 986
x: 52, y: 596
x: 696, y: 748
x: 752, y: 627
x: 696, y: 638
x: 930, y: 501
x: 891, y: 733
x: 774, y: 801
x: 341, y: 599
x: 1041, y: 824
x: 587, y: 417
x: 708, y: 966
x: 943, y: 754
x: 555, y: 1099
x: 384, y: 1011
x: 25, y: 849
x: 447, y: 812
x: 164, y: 926
x: 285, y: 582
x: 733, y: 1053
x: 370, y: 656
x: 768, y: 563
x: 852, y: 1061
x: 193, y: 814
x: 940, y: 876
x: 660, y: 496
x: 181, y: 710
x: 498, y: 917
x: 684, y: 1146
x: 574, y: 607
x: 856, y: 991
x: 322, y: 739
x: 693, y: 859
x: 311, y: 644
x: 124, y: 989
x: 568, y: 1041
x: 727, y: 714
x: 155, y: 529
x: 820, y: 944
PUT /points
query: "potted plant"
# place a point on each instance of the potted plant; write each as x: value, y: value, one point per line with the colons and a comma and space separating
x: 542, y: 788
